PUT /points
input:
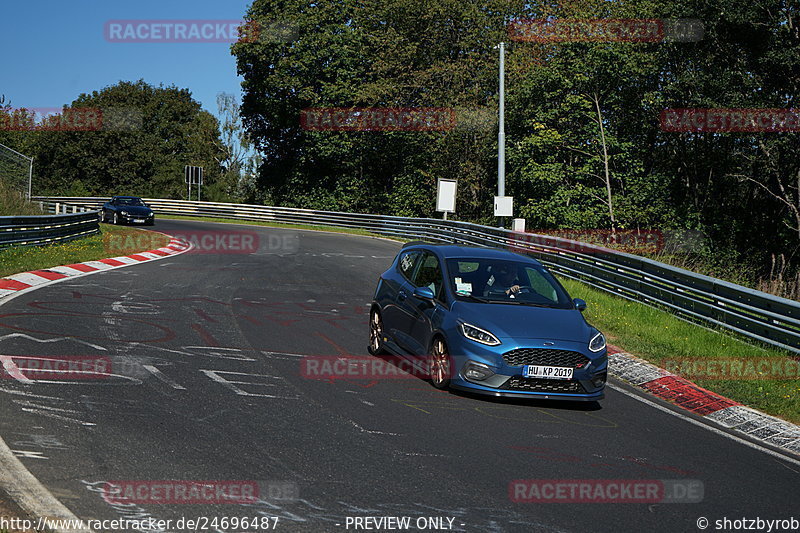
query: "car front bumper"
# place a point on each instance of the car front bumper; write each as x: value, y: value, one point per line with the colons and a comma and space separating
x: 508, y: 381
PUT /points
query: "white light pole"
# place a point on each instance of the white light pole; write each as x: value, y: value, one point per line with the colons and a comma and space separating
x: 501, y: 135
x: 503, y: 205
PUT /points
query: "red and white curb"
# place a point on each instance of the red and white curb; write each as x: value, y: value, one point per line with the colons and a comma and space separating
x: 17, y: 283
x: 709, y: 405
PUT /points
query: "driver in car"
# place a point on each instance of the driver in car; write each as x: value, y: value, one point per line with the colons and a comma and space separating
x: 505, y: 279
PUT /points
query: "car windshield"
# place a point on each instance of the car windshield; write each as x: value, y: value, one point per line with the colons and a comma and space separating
x: 505, y: 281
x: 129, y: 201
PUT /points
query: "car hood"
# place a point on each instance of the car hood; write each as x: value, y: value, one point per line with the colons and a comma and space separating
x: 526, y: 322
x: 135, y: 209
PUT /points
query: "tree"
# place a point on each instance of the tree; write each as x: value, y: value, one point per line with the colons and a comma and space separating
x: 148, y: 134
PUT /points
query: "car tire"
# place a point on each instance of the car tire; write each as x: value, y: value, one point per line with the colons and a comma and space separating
x: 375, y: 333
x: 439, y: 364
x: 116, y: 218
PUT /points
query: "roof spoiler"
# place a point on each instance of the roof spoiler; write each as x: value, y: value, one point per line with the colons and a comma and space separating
x: 414, y: 243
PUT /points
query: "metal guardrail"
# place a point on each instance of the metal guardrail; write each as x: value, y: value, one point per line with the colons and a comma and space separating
x: 692, y: 296
x: 46, y: 229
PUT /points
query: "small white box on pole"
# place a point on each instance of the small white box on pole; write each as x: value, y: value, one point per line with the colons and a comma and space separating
x: 519, y: 224
x: 503, y: 206
x: 446, y: 195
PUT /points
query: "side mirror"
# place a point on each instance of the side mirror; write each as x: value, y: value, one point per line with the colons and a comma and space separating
x: 580, y: 305
x: 424, y: 293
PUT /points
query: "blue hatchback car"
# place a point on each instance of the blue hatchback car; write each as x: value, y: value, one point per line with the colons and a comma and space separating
x: 488, y: 321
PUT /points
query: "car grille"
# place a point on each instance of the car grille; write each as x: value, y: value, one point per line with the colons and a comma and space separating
x: 545, y: 357
x: 543, y: 385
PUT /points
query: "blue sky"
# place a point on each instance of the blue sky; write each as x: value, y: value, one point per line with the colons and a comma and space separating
x: 54, y: 50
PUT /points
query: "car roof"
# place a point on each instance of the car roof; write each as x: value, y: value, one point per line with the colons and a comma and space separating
x: 451, y: 251
x: 127, y: 197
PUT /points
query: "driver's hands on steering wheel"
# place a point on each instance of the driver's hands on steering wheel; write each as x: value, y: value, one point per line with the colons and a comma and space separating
x: 514, y: 289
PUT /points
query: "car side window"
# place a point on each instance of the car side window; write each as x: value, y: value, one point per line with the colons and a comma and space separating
x: 543, y: 287
x: 429, y: 275
x: 408, y: 260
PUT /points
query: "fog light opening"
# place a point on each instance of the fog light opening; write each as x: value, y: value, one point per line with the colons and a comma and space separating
x: 598, y: 380
x: 477, y: 371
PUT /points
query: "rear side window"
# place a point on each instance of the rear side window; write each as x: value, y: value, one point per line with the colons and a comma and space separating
x: 407, y: 262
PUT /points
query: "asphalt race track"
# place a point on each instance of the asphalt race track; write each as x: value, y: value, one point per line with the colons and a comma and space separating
x: 206, y: 384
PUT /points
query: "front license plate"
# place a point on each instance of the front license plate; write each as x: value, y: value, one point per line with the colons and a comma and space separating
x: 547, y: 372
x: 139, y: 220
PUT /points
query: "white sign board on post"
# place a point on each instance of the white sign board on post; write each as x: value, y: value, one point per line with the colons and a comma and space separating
x: 446, y: 196
x: 503, y: 206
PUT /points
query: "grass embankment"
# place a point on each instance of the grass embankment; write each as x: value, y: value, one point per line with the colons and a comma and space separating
x: 663, y: 339
x: 111, y: 242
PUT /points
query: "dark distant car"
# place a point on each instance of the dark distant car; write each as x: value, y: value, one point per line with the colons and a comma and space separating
x: 127, y: 210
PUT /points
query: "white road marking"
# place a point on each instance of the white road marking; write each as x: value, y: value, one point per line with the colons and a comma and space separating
x: 12, y: 369
x: 56, y: 339
x: 705, y: 426
x: 157, y: 373
x: 215, y: 375
x: 28, y: 454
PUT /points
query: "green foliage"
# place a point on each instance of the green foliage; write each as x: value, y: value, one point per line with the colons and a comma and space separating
x: 582, y: 118
x: 148, y: 134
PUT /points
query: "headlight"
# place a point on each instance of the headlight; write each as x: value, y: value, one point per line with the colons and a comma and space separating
x: 479, y: 335
x: 123, y: 213
x: 597, y: 343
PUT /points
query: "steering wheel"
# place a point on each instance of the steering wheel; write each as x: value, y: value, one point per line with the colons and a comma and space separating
x: 523, y: 289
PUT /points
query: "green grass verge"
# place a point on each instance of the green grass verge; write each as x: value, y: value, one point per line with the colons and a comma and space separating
x: 113, y: 241
x: 660, y: 338
x: 334, y: 229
